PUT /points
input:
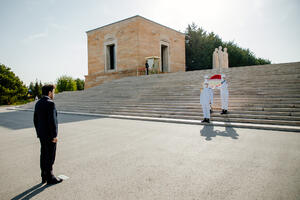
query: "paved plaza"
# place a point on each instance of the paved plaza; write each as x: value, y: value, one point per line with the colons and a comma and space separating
x: 110, y: 159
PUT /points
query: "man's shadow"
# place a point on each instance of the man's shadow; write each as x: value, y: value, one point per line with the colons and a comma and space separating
x: 31, y: 192
x: 209, y: 132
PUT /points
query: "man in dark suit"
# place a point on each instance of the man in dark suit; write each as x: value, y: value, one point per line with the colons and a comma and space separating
x: 45, y: 122
x: 147, y: 68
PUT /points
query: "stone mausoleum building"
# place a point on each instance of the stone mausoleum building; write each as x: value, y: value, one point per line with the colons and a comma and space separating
x: 120, y: 49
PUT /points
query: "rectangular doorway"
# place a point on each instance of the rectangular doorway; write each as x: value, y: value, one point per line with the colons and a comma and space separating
x: 164, y: 51
x: 110, y: 57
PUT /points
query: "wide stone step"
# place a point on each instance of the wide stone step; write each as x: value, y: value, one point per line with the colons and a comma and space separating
x: 215, y: 110
x: 187, y: 86
x: 217, y: 98
x: 125, y: 92
x: 215, y: 114
x: 194, y: 103
x: 196, y: 112
x: 178, y: 107
x: 291, y: 120
x: 180, y: 81
x: 268, y: 94
x: 238, y: 79
x: 223, y: 119
x: 176, y: 104
x: 227, y: 118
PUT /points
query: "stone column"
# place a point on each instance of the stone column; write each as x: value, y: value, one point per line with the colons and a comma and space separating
x: 220, y: 56
x: 225, y: 58
x: 215, y: 59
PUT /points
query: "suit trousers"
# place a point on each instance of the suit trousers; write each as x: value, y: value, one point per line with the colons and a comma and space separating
x: 48, y: 151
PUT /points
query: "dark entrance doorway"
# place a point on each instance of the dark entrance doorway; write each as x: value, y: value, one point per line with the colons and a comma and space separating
x: 164, y: 58
x: 110, y: 57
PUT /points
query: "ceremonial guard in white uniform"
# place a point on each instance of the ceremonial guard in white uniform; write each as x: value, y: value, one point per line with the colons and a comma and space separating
x: 205, y: 99
x: 224, y: 95
x: 211, y: 94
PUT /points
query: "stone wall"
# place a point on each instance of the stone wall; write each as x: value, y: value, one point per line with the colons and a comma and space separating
x: 134, y: 38
x: 152, y: 35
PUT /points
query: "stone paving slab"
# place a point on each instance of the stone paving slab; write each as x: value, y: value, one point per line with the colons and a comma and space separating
x: 107, y: 158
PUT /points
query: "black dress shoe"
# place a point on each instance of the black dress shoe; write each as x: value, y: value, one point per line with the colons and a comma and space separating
x: 206, y: 120
x: 54, y: 180
x: 223, y: 112
x: 44, y: 177
x: 44, y: 180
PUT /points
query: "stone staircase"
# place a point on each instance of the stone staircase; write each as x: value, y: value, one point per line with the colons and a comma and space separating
x: 267, y: 94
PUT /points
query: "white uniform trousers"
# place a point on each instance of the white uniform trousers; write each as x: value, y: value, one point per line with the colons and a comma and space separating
x: 206, y: 111
x: 224, y: 100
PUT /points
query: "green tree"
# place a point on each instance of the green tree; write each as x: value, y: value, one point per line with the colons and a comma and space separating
x: 36, y: 89
x: 79, y: 84
x: 200, y: 45
x: 65, y: 83
x: 238, y: 56
x: 12, y: 89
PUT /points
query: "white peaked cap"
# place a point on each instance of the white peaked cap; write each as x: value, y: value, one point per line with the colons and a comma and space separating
x: 206, y: 76
x: 223, y: 76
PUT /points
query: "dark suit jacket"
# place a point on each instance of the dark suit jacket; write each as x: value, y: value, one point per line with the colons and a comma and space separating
x: 45, y: 119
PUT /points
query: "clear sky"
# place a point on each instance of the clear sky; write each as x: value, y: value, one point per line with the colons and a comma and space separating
x: 45, y: 39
